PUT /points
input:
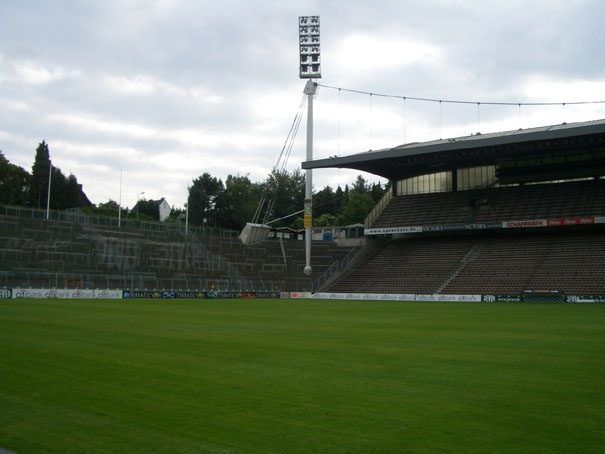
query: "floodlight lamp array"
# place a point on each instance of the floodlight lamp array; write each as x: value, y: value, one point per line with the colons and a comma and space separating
x: 310, y: 61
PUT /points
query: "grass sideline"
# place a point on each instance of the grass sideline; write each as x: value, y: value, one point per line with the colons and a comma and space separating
x: 300, y: 376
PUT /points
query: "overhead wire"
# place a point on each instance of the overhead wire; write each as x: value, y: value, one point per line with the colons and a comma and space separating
x: 453, y: 101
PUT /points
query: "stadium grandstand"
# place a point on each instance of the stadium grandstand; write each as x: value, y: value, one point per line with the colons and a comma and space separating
x: 509, y: 213
x: 506, y: 213
x: 73, y: 250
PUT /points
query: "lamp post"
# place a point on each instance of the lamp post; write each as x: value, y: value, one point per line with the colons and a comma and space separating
x: 138, y: 203
x: 310, y: 68
x: 120, y: 202
x: 50, y: 173
x: 187, y: 217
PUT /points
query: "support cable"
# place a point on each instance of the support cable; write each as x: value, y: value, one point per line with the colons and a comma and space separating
x: 452, y: 101
x: 268, y: 200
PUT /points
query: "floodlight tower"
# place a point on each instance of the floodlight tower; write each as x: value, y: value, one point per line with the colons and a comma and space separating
x: 310, y: 68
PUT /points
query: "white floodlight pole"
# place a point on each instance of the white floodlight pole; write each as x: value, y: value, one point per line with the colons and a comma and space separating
x: 50, y: 174
x: 310, y: 67
x: 310, y: 89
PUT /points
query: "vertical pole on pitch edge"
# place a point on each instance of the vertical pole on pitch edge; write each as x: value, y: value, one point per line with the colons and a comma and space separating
x: 50, y: 175
x: 310, y: 89
x: 120, y: 202
x: 187, y: 217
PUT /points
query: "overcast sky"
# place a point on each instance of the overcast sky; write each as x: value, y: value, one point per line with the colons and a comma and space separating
x: 167, y: 90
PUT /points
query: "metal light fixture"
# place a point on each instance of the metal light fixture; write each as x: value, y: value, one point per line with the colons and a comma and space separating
x: 310, y: 60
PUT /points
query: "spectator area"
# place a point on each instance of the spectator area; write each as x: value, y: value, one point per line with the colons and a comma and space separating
x: 536, y: 201
x: 35, y: 252
x: 75, y: 252
x: 570, y: 260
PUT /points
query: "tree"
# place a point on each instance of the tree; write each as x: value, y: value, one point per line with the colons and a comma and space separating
x: 75, y: 194
x: 298, y: 223
x: 109, y: 205
x: 65, y: 192
x: 376, y: 192
x: 176, y: 213
x: 325, y: 220
x: 38, y: 192
x: 108, y: 209
x: 324, y: 202
x: 360, y: 186
x: 338, y: 200
x: 14, y: 183
x: 345, y: 197
x: 356, y: 210
x: 202, y: 198
x: 237, y: 203
x: 58, y: 190
x: 288, y: 192
x: 148, y: 208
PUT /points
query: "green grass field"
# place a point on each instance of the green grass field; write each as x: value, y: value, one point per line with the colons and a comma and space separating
x: 271, y: 376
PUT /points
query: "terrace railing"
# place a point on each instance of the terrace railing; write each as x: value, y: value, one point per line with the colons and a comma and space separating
x: 131, y: 277
x: 336, y: 267
x: 77, y: 215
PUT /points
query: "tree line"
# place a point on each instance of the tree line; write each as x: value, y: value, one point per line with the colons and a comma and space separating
x: 233, y: 203
x: 210, y: 201
x: 20, y: 188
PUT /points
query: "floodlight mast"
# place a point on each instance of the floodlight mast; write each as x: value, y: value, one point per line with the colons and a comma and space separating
x: 310, y: 90
x: 310, y: 68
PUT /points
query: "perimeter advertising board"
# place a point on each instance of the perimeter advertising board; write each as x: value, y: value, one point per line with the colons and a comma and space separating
x: 518, y: 224
x: 299, y: 295
x: 397, y: 297
x: 586, y: 299
x: 524, y: 224
x: 127, y: 294
x: 20, y: 293
x: 391, y: 230
x: 177, y: 294
x: 65, y: 293
x: 501, y: 298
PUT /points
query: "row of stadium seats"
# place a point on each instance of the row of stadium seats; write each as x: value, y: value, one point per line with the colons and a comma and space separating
x: 569, y: 261
x: 417, y: 266
x: 572, y: 260
x: 539, y: 201
x: 36, y: 251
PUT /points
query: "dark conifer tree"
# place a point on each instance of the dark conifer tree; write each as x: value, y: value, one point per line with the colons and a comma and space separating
x: 38, y: 190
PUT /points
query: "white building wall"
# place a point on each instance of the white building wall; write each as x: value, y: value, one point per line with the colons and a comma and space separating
x: 164, y: 210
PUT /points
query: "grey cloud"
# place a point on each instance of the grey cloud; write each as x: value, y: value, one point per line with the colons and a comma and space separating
x: 204, y: 67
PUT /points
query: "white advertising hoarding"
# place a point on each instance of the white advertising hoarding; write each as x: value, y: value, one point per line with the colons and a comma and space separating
x: 66, y: 293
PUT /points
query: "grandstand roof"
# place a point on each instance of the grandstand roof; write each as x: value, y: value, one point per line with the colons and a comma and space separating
x: 479, y: 149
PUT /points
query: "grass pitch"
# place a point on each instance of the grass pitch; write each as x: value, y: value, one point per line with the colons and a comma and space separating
x: 271, y: 376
